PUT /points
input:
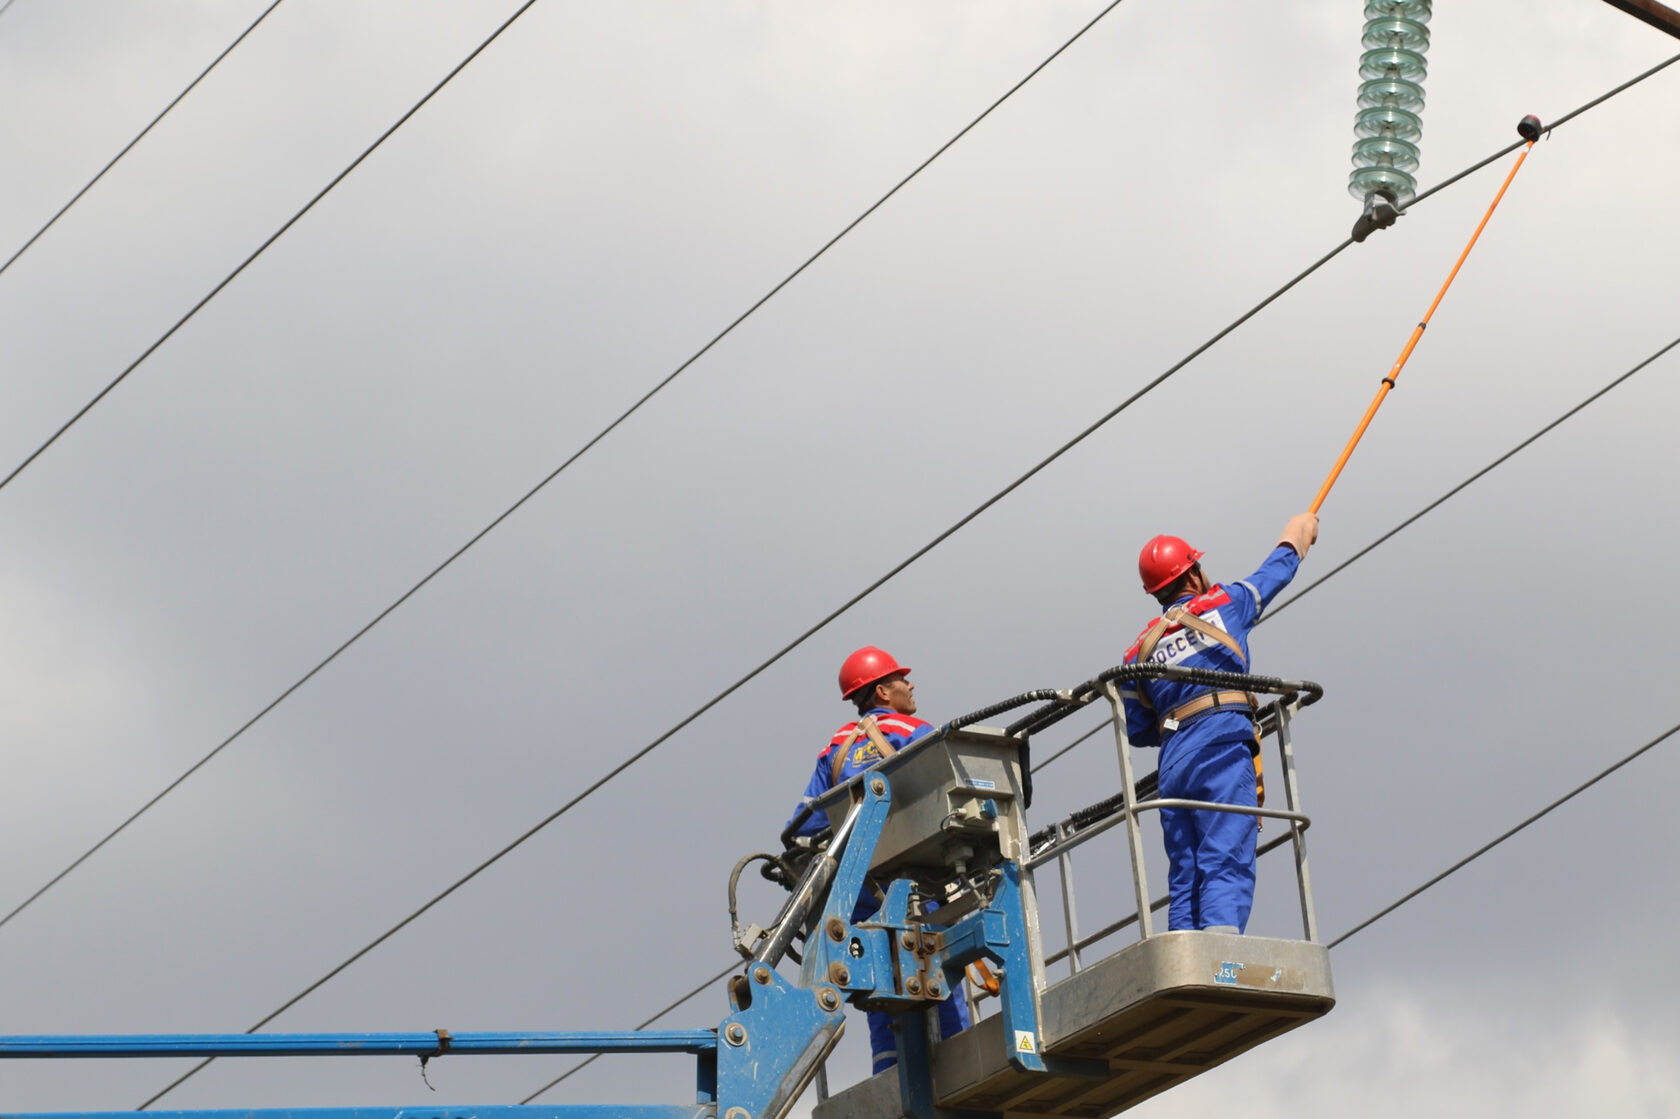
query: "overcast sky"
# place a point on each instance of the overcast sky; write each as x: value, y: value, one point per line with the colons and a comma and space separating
x: 593, y: 198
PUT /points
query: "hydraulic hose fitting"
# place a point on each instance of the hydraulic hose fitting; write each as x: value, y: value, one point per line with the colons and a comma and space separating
x: 1388, y: 125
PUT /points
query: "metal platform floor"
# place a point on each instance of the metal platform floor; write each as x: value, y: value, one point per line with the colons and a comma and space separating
x: 1140, y: 1021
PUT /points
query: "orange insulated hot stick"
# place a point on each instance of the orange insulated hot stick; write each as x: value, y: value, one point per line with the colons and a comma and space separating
x: 1530, y: 130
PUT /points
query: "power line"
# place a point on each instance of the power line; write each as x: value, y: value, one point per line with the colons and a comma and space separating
x: 275, y: 236
x: 1106, y: 723
x: 651, y: 393
x: 1558, y: 123
x: 1407, y: 523
x: 1485, y: 848
x: 138, y: 137
x: 194, y: 768
x: 1439, y: 501
x: 532, y: 493
x: 738, y: 684
x: 644, y: 1024
x: 754, y: 673
x: 534, y: 490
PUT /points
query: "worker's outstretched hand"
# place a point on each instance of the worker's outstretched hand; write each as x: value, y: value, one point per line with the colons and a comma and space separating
x: 1300, y: 533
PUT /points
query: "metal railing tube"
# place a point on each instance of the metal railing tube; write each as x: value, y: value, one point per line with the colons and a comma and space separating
x: 1128, y: 787
x: 1292, y: 797
x: 811, y: 890
x: 1085, y: 835
x: 1130, y: 919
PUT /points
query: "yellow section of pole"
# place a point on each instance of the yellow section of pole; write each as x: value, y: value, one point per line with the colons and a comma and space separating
x: 1411, y: 343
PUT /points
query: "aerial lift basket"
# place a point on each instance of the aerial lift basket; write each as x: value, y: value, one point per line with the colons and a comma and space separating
x: 1119, y: 1027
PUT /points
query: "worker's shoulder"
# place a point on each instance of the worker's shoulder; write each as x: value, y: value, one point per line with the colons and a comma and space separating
x: 907, y: 725
x: 892, y: 725
x: 840, y: 737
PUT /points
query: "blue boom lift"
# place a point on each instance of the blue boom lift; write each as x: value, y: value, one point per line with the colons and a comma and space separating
x: 942, y: 821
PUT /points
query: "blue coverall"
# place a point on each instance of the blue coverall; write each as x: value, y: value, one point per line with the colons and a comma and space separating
x: 1210, y: 855
x: 900, y: 731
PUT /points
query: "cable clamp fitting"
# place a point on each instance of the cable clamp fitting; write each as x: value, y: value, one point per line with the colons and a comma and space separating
x: 442, y: 1047
x: 1389, y: 381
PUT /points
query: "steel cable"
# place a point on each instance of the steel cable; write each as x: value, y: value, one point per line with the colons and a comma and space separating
x: 1486, y: 847
x: 1439, y: 501
x: 1408, y: 522
x: 462, y: 550
x: 509, y: 512
x: 275, y: 236
x: 196, y: 766
x: 734, y: 965
x: 141, y: 135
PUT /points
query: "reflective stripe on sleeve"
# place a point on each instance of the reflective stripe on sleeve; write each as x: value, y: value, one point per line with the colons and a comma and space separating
x: 1259, y: 603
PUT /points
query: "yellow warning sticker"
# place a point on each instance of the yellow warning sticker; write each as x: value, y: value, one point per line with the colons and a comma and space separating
x: 1024, y: 1042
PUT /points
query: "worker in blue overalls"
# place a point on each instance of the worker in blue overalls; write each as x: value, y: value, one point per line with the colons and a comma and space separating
x: 886, y: 723
x: 1210, y: 748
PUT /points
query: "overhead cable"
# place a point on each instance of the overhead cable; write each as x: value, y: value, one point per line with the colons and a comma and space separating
x: 1407, y: 523
x: 194, y: 768
x: 734, y: 965
x: 1552, y: 127
x: 651, y: 393
x: 1444, y: 498
x: 141, y: 135
x: 1486, y: 847
x: 260, y: 249
x: 520, y: 839
x: 534, y: 490
x: 579, y: 453
x: 744, y: 680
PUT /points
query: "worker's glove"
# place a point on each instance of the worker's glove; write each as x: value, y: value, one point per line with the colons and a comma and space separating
x: 1300, y: 533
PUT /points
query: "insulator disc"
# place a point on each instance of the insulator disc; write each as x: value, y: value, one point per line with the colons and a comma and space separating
x: 1385, y: 93
x: 1402, y: 33
x: 1382, y: 151
x: 1415, y: 10
x: 1387, y: 121
x: 1390, y: 64
x: 1388, y: 126
x: 1397, y: 184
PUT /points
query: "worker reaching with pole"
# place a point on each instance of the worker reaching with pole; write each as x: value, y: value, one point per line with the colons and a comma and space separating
x: 880, y: 687
x: 1210, y: 744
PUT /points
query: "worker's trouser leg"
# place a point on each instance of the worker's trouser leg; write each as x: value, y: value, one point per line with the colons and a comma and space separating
x: 1178, y: 827
x: 953, y: 1018
x: 1210, y: 855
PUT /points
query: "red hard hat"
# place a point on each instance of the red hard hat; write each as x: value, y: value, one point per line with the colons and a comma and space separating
x: 866, y: 666
x: 1164, y: 559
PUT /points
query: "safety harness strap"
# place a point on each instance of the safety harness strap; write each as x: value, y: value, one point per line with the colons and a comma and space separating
x: 1178, y: 615
x: 1209, y: 631
x: 1206, y: 702
x: 865, y: 726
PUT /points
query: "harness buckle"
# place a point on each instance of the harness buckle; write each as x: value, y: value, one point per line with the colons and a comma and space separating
x: 1169, y: 724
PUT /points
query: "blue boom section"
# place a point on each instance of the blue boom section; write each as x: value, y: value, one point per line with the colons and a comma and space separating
x: 758, y: 1061
x: 433, y: 1044
x: 693, y: 1111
